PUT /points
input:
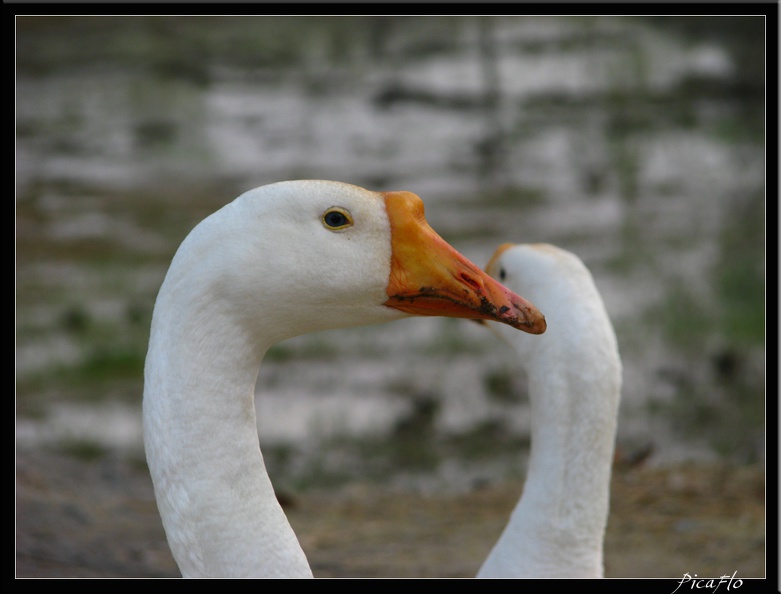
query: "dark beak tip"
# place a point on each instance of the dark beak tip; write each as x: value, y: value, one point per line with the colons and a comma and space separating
x: 541, y: 326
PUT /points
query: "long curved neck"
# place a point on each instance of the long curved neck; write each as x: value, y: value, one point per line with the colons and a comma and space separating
x: 213, y: 492
x: 557, y: 528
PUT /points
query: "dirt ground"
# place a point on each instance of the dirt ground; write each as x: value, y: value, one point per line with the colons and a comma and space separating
x: 99, y: 519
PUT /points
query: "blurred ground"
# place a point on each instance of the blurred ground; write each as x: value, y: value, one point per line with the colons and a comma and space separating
x: 703, y: 519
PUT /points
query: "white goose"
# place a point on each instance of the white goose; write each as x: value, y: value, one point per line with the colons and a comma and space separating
x: 574, y: 373
x: 279, y: 261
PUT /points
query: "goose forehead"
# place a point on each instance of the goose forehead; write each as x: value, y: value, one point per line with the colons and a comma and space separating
x: 312, y: 198
x: 367, y: 204
x: 308, y: 190
x: 530, y: 258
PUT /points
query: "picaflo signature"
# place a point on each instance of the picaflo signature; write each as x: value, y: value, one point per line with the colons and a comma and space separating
x: 711, y: 584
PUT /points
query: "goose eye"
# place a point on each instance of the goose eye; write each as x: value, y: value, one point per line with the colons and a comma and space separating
x: 502, y: 274
x: 336, y: 218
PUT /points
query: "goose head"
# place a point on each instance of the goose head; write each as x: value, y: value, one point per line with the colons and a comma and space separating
x: 561, y: 283
x: 300, y: 256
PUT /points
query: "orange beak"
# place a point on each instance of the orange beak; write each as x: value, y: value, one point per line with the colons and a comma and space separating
x: 430, y: 278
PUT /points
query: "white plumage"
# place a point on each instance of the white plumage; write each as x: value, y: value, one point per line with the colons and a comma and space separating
x: 279, y: 261
x: 574, y: 374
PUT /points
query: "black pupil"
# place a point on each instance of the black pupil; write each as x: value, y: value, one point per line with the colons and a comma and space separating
x: 502, y: 274
x: 335, y: 219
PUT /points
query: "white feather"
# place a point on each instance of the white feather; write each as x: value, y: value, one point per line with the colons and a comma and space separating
x: 574, y: 374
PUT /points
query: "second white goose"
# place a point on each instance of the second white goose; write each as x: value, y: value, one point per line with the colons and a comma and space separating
x: 557, y: 528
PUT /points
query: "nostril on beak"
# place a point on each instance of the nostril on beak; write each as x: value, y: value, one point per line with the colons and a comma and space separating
x: 471, y: 282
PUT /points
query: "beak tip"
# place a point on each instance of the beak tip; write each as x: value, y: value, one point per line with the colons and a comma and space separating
x: 530, y: 321
x: 533, y: 327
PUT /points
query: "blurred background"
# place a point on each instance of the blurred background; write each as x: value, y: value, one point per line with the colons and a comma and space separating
x: 637, y: 143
